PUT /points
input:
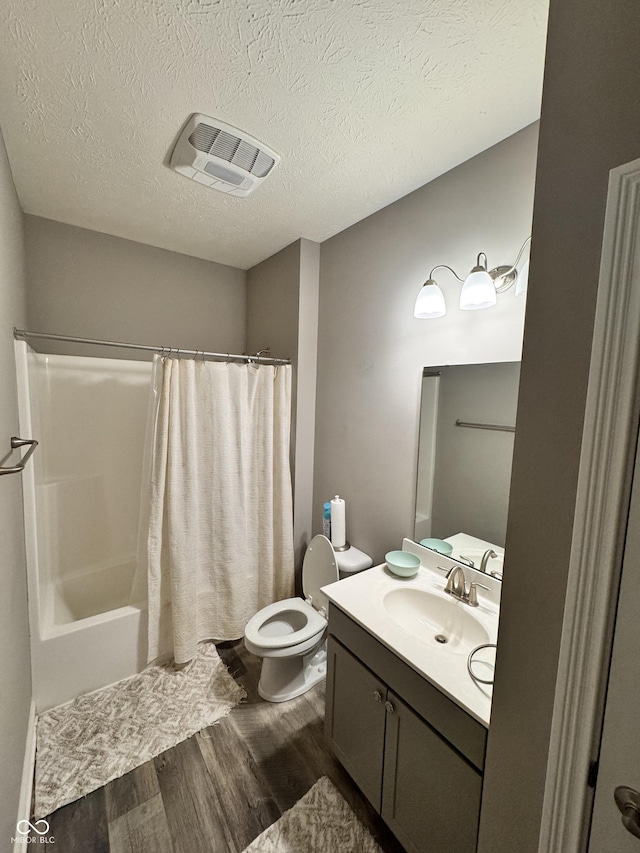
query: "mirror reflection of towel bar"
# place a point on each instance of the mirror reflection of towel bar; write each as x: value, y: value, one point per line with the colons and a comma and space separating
x: 20, y: 442
x: 499, y: 427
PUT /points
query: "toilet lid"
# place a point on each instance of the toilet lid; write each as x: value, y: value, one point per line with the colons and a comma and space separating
x: 319, y: 568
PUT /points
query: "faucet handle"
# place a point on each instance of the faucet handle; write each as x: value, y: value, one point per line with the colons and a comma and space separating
x: 447, y: 570
x: 473, y: 594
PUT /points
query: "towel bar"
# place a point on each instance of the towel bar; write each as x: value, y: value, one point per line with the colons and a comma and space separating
x: 499, y: 427
x: 20, y: 442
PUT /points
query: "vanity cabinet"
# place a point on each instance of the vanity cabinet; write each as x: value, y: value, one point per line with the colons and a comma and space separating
x: 384, y: 726
x: 358, y: 720
x: 430, y: 796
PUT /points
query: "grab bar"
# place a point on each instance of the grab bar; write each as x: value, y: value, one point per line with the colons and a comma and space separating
x: 499, y: 427
x: 20, y: 442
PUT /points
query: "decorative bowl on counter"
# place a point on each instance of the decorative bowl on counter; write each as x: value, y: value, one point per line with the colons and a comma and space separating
x: 402, y: 563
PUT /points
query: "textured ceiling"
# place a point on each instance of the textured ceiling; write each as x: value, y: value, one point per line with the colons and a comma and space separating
x: 365, y: 100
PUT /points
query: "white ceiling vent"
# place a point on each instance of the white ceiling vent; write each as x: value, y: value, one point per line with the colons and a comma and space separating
x: 219, y: 156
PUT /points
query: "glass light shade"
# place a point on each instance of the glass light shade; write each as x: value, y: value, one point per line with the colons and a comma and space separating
x: 478, y: 291
x: 430, y: 302
x: 523, y: 279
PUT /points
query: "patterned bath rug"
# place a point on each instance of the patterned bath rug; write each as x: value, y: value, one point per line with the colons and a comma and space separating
x: 320, y: 822
x: 86, y: 743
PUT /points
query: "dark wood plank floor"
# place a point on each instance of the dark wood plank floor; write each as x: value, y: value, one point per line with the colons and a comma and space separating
x: 215, y: 792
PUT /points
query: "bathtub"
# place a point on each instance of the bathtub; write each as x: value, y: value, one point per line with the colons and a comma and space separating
x: 81, y: 493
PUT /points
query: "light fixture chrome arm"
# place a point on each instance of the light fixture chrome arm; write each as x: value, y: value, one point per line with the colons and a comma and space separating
x: 445, y: 267
x: 481, y: 266
x: 510, y: 274
x: 522, y: 248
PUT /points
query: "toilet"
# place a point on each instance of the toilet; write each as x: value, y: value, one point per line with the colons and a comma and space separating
x: 290, y: 635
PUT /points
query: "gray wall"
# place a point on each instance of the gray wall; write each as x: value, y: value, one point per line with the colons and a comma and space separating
x: 87, y: 284
x: 372, y: 350
x: 15, y: 666
x: 589, y: 125
x: 473, y: 466
x: 306, y: 393
x: 272, y: 303
x: 282, y: 313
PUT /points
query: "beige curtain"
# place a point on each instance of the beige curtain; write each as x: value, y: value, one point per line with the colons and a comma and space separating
x: 217, y: 520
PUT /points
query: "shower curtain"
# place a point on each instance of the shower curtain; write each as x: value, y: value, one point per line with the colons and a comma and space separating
x: 217, y: 519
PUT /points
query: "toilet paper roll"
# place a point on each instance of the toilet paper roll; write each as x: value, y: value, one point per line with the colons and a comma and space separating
x: 338, y: 522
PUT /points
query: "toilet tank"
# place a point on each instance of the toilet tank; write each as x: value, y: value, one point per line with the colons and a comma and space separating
x: 352, y: 561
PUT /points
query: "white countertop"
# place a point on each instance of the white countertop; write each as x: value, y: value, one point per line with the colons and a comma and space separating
x: 360, y: 597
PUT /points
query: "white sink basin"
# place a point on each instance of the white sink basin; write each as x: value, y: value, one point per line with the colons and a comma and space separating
x: 436, y: 618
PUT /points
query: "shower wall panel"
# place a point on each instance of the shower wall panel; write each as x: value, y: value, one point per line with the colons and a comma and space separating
x: 89, y: 415
x: 81, y: 499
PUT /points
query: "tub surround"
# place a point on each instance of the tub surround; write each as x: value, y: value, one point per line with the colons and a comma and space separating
x: 81, y: 494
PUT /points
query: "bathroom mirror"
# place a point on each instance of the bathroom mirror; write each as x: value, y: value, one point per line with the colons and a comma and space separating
x: 467, y: 426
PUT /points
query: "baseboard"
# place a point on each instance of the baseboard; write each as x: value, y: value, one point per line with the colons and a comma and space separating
x: 28, y: 769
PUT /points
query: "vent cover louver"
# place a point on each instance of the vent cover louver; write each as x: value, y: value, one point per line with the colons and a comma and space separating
x: 212, y: 140
x: 217, y: 155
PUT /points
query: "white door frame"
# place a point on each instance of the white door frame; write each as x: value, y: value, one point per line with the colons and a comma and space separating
x: 604, y: 486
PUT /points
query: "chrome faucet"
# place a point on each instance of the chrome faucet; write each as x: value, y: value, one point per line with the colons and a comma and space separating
x: 456, y: 586
x: 489, y: 554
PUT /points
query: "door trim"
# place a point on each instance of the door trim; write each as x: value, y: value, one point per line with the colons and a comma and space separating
x: 602, y: 505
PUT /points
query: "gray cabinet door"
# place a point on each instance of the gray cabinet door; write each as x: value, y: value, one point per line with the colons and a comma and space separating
x: 431, y: 795
x: 355, y: 719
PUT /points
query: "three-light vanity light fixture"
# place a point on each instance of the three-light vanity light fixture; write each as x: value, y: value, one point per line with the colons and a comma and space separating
x: 480, y: 288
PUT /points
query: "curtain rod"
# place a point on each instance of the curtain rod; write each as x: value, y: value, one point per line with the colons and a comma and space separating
x: 213, y: 356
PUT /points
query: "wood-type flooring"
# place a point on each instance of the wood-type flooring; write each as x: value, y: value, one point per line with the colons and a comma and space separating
x: 217, y: 791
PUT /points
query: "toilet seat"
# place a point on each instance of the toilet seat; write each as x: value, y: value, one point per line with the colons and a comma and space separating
x: 256, y: 630
x: 290, y: 635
